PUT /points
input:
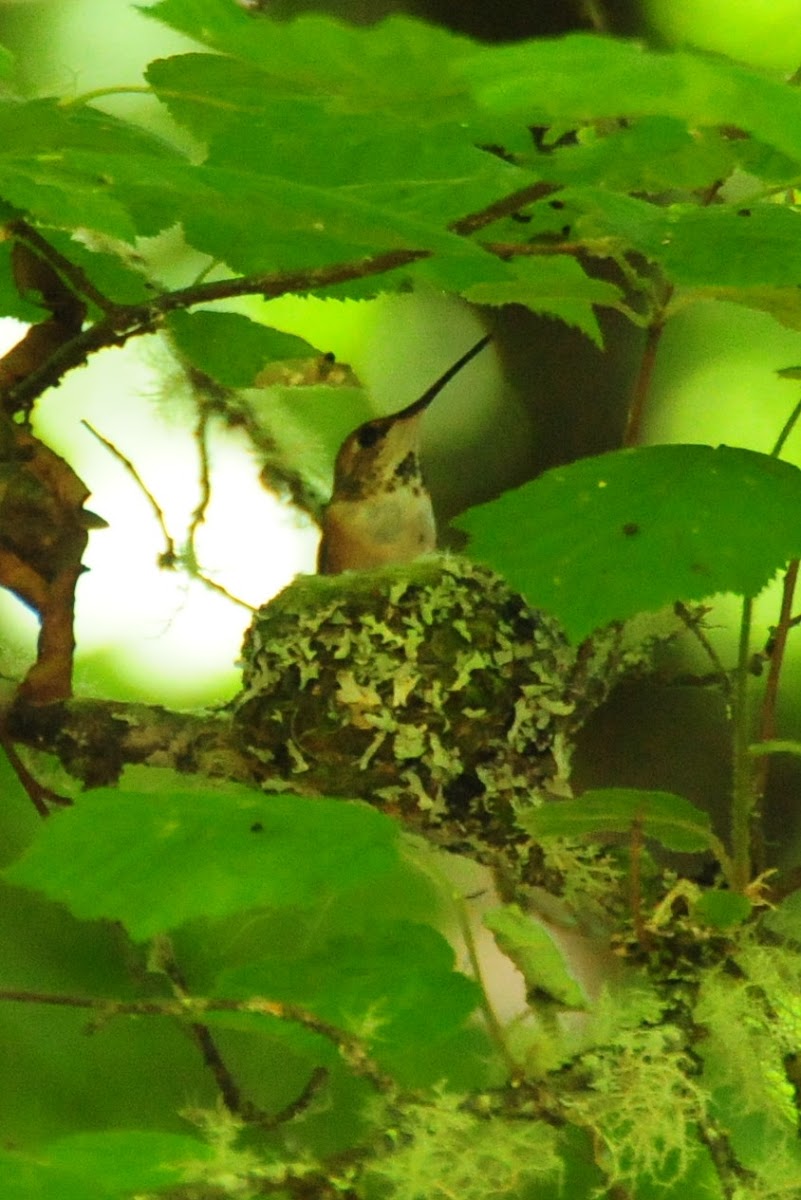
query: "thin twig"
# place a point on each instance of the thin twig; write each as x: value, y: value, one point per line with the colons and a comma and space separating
x: 190, y: 1008
x: 494, y: 1027
x: 787, y: 429
x: 134, y: 320
x: 767, y: 719
x: 504, y: 207
x: 778, y: 646
x: 170, y: 555
x: 39, y: 795
x: 653, y: 337
x: 645, y: 375
x: 124, y: 321
x: 314, y: 1085
x: 743, y: 783
x: 692, y: 623
x: 199, y: 513
x: 210, y: 1051
x: 72, y: 275
x: 208, y: 582
x: 641, y: 933
x: 543, y: 249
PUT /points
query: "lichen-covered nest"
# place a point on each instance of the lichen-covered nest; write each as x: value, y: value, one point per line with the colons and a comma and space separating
x: 433, y: 689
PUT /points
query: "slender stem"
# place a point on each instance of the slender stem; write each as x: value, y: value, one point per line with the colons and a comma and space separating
x: 99, y: 93
x: 694, y: 626
x: 204, y: 481
x: 644, y: 940
x: 77, y: 280
x: 743, y: 795
x: 787, y: 429
x: 194, y: 1007
x: 767, y: 721
x: 39, y: 795
x: 645, y: 375
x: 778, y: 647
x: 503, y: 207
x: 169, y: 556
x: 127, y: 321
x: 494, y: 1026
x: 209, y: 1050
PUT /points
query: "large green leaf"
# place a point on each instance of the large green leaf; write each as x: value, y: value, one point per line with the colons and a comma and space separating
x: 393, y: 984
x: 380, y: 158
x: 252, y: 222
x: 101, y: 1165
x: 717, y: 246
x: 230, y: 347
x: 651, y: 154
x: 669, y: 819
x: 399, y: 64
x: 582, y: 78
x: 634, y: 530
x: 155, y: 861
x: 38, y: 172
x: 536, y: 955
x: 557, y: 287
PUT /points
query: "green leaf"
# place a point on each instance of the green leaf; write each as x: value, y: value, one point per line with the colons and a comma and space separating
x: 649, y: 155
x: 697, y: 247
x: 536, y: 955
x: 157, y: 861
x: 631, y: 531
x: 668, y: 819
x: 101, y: 1165
x: 231, y: 106
x: 785, y: 918
x: 258, y: 223
x: 581, y: 79
x: 721, y: 909
x: 117, y: 278
x: 393, y: 984
x: 40, y: 143
x: 309, y: 424
x: 720, y: 247
x: 557, y: 287
x: 6, y: 63
x: 384, y: 67
x: 231, y: 348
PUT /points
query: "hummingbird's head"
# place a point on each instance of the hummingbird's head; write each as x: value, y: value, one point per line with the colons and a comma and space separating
x: 381, y: 455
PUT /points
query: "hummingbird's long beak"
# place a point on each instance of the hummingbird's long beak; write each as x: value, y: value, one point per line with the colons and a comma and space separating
x: 418, y: 406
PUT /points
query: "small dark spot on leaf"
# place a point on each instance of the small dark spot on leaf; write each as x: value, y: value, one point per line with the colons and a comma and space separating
x: 699, y: 568
x: 743, y: 212
x: 521, y: 218
x: 631, y: 529
x: 257, y: 827
x: 566, y: 230
x: 557, y: 203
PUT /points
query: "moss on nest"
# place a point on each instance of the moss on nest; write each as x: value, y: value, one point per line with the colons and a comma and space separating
x: 432, y: 688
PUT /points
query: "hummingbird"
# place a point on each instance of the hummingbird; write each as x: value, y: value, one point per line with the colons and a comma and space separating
x: 380, y: 511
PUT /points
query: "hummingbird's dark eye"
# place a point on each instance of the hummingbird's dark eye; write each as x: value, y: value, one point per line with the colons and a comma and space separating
x: 368, y: 435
